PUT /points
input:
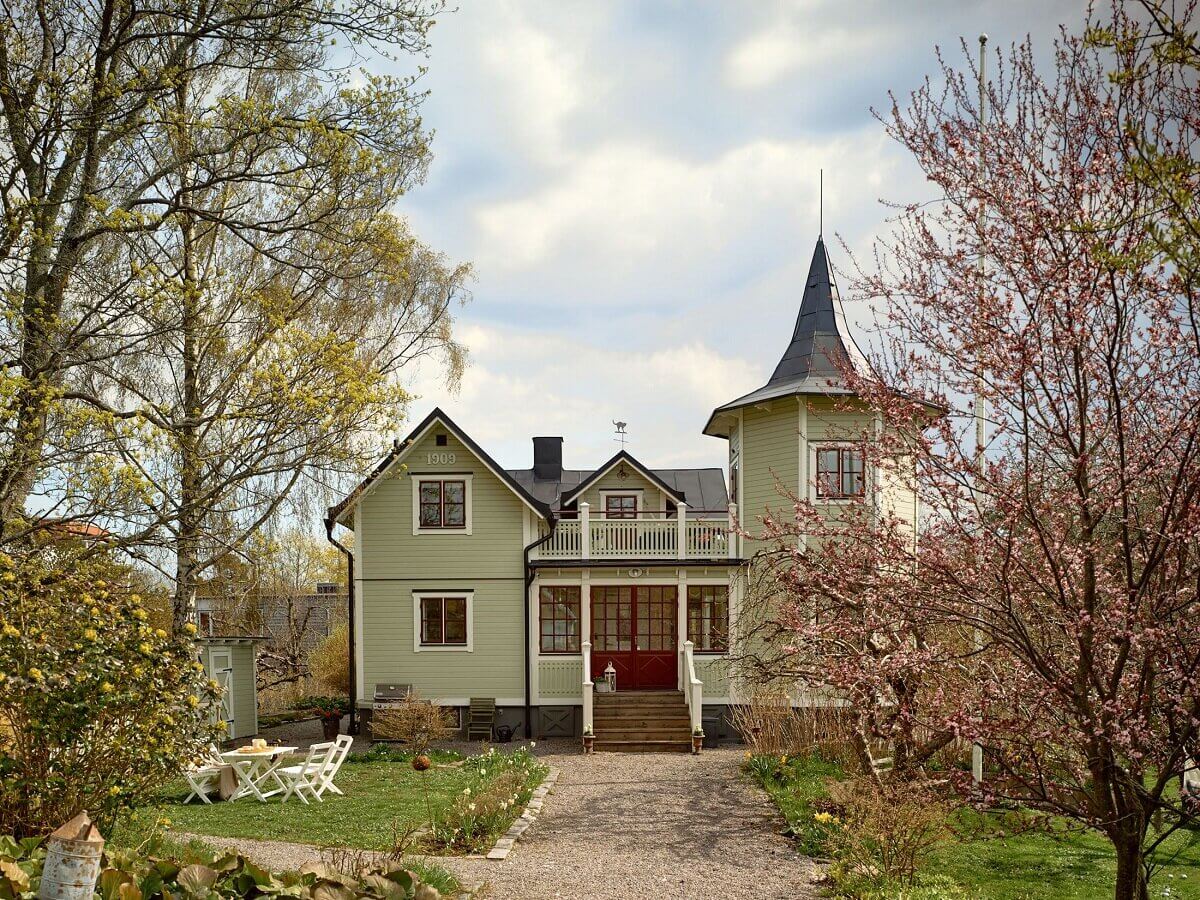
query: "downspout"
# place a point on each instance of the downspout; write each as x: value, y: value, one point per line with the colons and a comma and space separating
x: 525, y: 603
x: 352, y: 728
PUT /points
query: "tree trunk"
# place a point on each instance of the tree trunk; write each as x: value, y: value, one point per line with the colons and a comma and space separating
x: 1131, y: 871
x: 190, y: 522
x: 19, y: 471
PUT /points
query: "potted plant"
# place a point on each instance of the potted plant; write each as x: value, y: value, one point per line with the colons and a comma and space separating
x: 589, y: 739
x: 600, y: 684
x: 330, y: 711
x: 697, y: 739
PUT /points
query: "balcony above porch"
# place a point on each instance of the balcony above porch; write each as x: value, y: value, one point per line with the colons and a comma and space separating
x: 685, y: 535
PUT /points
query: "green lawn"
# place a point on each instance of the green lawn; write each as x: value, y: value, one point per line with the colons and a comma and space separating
x: 1068, y: 865
x: 381, y: 797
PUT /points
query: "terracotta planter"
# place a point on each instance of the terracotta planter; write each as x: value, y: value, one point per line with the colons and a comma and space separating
x: 331, y: 727
x: 697, y: 743
x: 589, y: 742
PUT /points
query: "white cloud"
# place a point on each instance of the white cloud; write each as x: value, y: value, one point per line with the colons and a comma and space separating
x: 785, y: 49
x: 624, y: 207
x: 535, y: 78
x: 522, y: 384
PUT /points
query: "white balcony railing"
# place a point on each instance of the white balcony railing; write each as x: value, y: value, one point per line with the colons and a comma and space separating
x: 645, y: 537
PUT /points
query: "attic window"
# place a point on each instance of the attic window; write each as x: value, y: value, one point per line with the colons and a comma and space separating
x: 440, y: 440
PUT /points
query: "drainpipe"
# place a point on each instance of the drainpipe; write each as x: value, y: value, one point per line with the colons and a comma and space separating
x: 352, y: 728
x: 525, y: 603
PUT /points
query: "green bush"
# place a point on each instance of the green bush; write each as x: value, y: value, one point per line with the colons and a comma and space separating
x: 132, y: 875
x: 98, y: 708
x: 326, y: 707
x: 330, y: 661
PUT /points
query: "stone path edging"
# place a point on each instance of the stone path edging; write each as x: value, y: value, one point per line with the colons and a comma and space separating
x: 508, y: 840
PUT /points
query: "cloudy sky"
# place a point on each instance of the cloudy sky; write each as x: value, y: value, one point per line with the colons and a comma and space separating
x: 636, y: 185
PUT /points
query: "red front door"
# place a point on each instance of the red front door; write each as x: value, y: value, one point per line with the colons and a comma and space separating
x: 634, y: 628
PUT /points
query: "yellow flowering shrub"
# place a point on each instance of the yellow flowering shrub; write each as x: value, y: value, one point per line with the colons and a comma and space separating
x: 100, y: 710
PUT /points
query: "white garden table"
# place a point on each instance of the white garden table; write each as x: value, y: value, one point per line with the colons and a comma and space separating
x: 255, y: 770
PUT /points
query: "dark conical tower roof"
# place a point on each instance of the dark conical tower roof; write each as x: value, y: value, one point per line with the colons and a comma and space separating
x: 820, y: 348
x: 817, y: 348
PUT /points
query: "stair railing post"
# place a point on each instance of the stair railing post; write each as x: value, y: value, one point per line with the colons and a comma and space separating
x: 587, y: 689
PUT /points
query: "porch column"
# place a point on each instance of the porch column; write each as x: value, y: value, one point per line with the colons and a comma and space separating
x: 585, y: 611
x: 681, y: 524
x: 680, y: 624
x: 585, y: 530
x: 731, y: 544
x: 533, y: 639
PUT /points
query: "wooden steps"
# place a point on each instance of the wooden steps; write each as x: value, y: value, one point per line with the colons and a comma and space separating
x: 642, y: 722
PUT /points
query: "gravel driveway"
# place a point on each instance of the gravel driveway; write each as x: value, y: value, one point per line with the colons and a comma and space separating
x: 649, y: 825
x: 621, y: 826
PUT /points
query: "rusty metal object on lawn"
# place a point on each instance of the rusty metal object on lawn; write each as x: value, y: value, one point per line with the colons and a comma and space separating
x: 72, y: 866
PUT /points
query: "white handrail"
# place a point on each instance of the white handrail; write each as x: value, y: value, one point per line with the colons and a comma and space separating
x: 693, y: 689
x: 641, y: 538
x: 587, y: 688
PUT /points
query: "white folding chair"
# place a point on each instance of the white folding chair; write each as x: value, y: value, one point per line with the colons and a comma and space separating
x: 306, y: 777
x: 204, y: 775
x: 341, y: 750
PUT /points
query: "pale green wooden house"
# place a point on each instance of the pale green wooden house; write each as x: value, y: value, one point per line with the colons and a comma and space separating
x: 230, y: 661
x: 538, y: 588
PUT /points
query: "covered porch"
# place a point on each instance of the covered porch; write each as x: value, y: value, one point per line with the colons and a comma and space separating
x: 653, y: 632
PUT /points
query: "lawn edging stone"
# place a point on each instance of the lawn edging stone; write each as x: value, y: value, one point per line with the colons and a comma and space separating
x: 507, y: 841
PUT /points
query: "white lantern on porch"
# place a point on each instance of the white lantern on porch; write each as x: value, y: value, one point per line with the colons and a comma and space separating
x: 610, y: 676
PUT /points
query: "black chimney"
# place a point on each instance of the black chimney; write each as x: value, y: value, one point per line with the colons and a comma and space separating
x: 547, y: 458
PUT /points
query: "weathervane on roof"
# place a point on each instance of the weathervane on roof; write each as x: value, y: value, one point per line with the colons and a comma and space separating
x: 621, y: 437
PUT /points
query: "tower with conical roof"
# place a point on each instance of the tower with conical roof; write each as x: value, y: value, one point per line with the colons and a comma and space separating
x: 800, y: 430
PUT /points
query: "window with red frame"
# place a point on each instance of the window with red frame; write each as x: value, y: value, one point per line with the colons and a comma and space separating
x: 840, y: 473
x: 708, y: 617
x: 558, y: 615
x: 444, y: 621
x: 443, y: 504
x: 620, y: 506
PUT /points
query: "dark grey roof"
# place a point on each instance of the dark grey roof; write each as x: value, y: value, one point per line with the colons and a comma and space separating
x: 399, y: 447
x: 702, y: 489
x: 820, y: 347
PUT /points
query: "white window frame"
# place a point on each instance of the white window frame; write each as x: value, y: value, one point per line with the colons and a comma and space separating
x: 420, y: 477
x: 639, y: 495
x: 469, y: 646
x: 814, y: 449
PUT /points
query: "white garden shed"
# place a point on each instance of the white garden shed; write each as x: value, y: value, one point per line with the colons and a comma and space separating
x: 231, y: 661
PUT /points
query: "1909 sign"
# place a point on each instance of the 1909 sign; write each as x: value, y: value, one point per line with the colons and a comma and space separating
x: 441, y: 459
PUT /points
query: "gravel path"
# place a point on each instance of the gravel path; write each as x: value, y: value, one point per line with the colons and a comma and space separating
x: 623, y: 826
x: 650, y: 825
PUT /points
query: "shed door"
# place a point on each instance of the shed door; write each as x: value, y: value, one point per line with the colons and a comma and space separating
x: 222, y: 672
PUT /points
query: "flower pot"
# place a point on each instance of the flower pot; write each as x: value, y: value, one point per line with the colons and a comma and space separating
x: 589, y: 741
x: 331, y: 727
x: 697, y: 742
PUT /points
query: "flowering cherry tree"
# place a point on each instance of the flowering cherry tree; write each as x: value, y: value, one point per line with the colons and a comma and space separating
x: 1050, y: 609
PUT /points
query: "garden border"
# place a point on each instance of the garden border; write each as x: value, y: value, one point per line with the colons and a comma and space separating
x: 504, y: 845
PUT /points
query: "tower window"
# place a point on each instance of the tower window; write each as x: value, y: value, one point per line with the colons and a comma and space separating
x: 840, y: 473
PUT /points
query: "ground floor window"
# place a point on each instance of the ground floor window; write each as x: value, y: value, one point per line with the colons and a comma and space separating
x: 444, y: 620
x: 708, y: 617
x: 558, y: 614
